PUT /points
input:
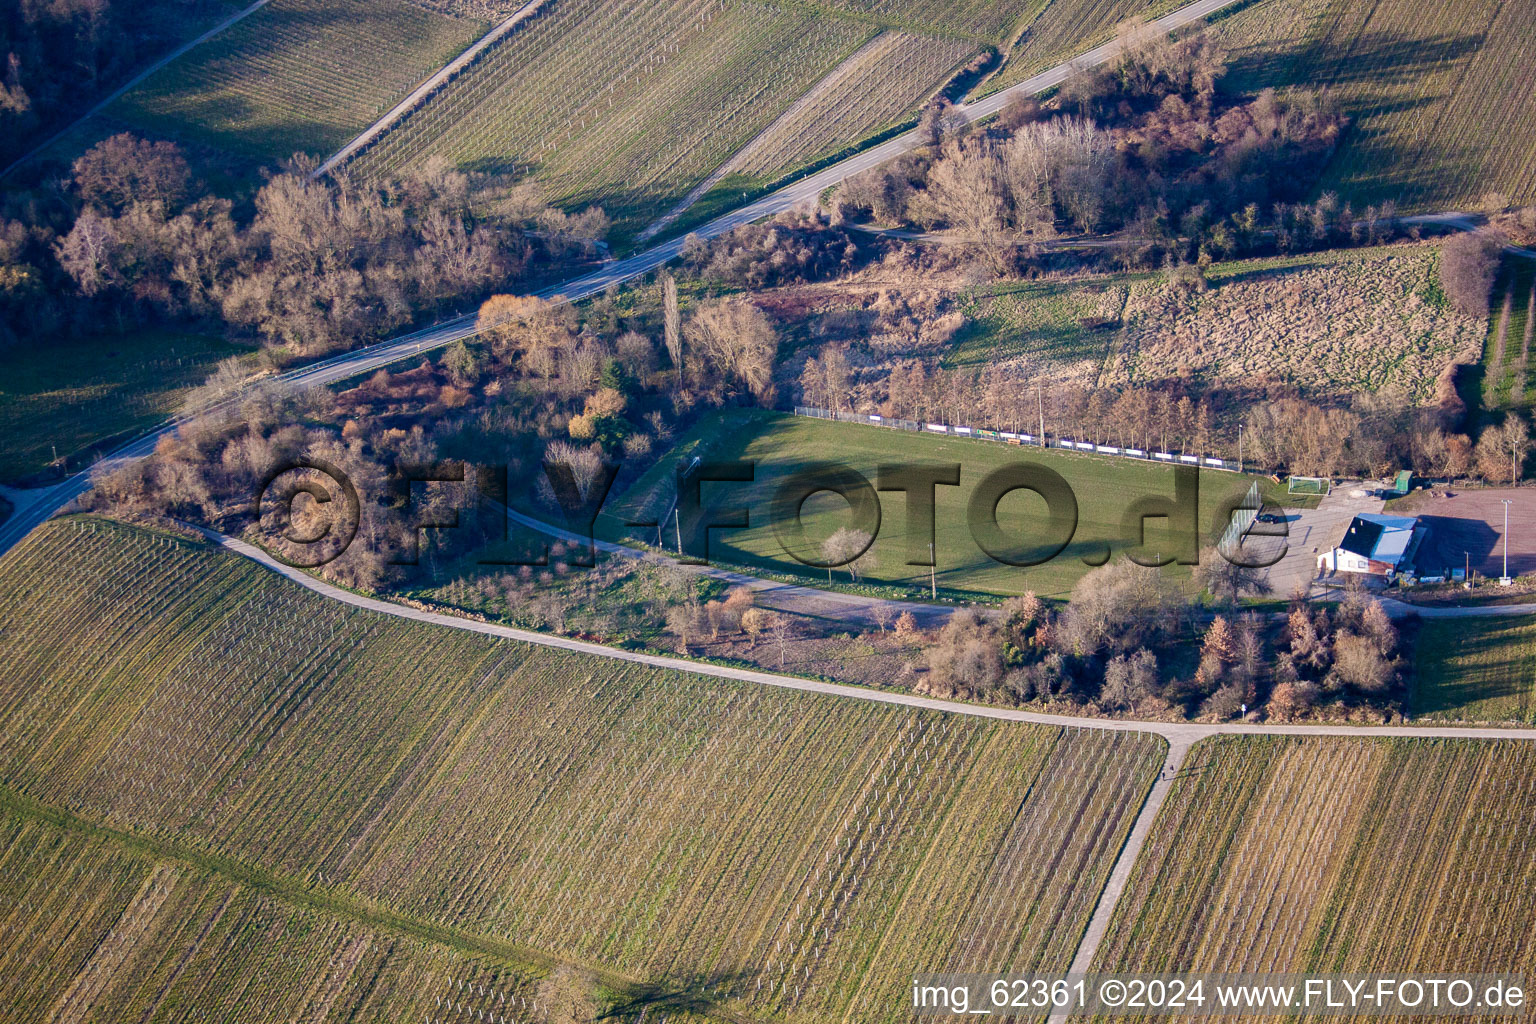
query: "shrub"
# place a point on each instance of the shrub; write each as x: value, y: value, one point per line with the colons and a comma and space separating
x: 1468, y: 263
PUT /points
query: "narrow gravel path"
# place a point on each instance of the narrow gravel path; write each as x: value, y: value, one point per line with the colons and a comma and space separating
x: 427, y: 88
x: 1176, y: 733
x: 1120, y: 875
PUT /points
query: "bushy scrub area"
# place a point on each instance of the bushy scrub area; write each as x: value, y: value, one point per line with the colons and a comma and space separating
x: 1330, y: 326
x: 62, y: 58
x: 138, y: 262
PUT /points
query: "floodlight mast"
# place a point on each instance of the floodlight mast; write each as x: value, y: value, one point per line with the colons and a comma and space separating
x: 1504, y: 580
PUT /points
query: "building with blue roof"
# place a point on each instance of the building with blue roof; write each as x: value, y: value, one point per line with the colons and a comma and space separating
x: 1376, y: 545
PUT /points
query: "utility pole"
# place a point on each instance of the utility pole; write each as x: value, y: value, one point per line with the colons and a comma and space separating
x: 933, y: 578
x: 1040, y: 405
x: 1239, y: 447
x: 1504, y: 580
x: 677, y: 522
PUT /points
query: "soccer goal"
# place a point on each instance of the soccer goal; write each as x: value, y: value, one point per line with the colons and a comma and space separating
x: 1309, y: 485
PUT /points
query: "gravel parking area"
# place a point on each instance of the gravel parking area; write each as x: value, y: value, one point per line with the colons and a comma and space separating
x: 1304, y: 535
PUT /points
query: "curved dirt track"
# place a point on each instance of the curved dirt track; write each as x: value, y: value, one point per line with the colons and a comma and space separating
x: 1176, y: 733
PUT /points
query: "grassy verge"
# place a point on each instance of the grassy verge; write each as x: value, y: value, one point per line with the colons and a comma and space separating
x: 1476, y: 670
x: 62, y: 401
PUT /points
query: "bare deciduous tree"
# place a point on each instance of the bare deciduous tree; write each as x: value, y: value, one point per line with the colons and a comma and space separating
x: 1468, y: 264
x: 850, y: 549
x: 672, y: 324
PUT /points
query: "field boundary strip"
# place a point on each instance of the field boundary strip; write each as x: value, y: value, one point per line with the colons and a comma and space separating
x: 135, y: 81
x: 427, y: 88
x: 379, y: 917
x: 1179, y: 458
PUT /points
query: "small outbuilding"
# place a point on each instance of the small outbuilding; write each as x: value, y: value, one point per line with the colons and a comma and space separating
x: 1376, y: 545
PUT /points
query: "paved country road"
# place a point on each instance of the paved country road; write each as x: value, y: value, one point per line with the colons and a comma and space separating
x: 1180, y: 736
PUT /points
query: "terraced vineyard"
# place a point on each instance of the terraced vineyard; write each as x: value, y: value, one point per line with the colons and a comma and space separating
x: 707, y: 76
x: 1475, y: 670
x: 1437, y: 91
x: 1336, y: 855
x: 886, y: 80
x: 979, y: 20
x: 298, y: 75
x: 799, y: 851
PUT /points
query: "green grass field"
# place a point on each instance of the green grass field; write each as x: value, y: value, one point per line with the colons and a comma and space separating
x: 1047, y: 321
x: 1441, y: 95
x: 1322, y: 855
x: 1506, y: 383
x: 78, y: 392
x: 1476, y: 670
x: 788, y: 856
x: 297, y: 76
x: 1104, y: 488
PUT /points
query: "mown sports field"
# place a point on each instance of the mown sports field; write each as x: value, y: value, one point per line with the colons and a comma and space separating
x: 780, y: 445
x: 782, y: 855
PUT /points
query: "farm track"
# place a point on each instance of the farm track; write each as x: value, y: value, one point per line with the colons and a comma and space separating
x: 1176, y: 733
x: 809, y: 97
x: 1180, y: 737
x: 303, y: 895
x: 427, y: 88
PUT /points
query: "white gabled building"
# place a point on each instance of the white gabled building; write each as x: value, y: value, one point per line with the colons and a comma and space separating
x: 1374, y: 544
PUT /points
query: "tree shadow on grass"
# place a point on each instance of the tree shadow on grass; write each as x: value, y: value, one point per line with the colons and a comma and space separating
x: 1503, y: 673
x: 697, y: 992
x: 1378, y: 58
